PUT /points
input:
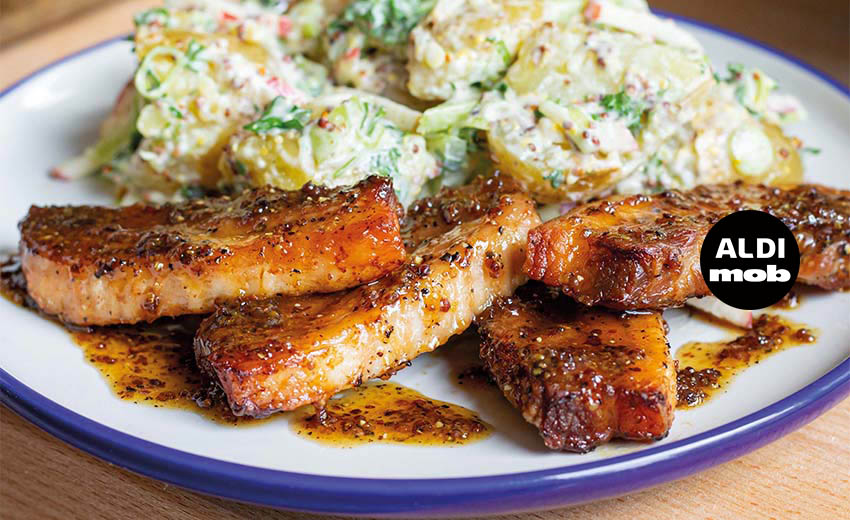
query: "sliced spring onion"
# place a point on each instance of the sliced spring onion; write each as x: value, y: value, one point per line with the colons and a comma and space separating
x: 403, y: 117
x: 450, y: 114
x: 640, y: 23
x: 151, y: 83
x: 752, y: 152
x: 159, y: 14
x: 280, y: 114
x: 574, y: 121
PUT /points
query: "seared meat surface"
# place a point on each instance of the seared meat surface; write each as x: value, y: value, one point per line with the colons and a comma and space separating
x: 642, y: 251
x: 581, y: 375
x: 432, y: 216
x: 283, y: 352
x: 96, y: 266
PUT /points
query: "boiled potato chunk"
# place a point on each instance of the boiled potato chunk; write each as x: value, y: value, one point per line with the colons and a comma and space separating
x: 585, y: 106
x: 470, y: 43
x: 336, y: 147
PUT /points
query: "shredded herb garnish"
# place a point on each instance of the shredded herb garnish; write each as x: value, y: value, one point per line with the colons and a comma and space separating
x: 631, y: 110
x: 555, y: 178
x: 192, y: 192
x: 152, y: 79
x: 503, y: 51
x: 192, y: 52
x: 341, y: 168
x: 280, y: 114
x: 146, y: 17
x: 240, y: 168
x: 388, y: 22
x: 386, y: 163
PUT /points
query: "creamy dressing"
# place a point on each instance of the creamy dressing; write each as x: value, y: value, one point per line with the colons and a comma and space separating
x: 575, y: 98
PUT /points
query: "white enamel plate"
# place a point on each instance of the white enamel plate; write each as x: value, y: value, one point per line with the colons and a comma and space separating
x: 53, y: 114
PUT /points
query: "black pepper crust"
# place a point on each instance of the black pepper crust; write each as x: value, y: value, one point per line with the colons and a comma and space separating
x: 432, y: 216
x: 94, y: 265
x: 642, y: 251
x: 283, y: 352
x: 581, y: 375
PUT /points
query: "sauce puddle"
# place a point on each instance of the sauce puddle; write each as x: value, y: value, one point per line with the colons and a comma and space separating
x: 705, y: 368
x: 391, y: 413
x: 150, y: 364
x: 153, y: 364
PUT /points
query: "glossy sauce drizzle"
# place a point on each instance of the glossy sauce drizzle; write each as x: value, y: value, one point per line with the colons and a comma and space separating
x: 389, y: 412
x: 706, y: 368
x: 153, y: 364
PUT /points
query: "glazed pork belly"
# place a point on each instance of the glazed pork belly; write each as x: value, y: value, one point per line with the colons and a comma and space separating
x: 96, y: 266
x: 581, y: 375
x: 642, y: 251
x: 466, y: 249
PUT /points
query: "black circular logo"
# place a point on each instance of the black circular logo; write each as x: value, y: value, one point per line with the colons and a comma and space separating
x: 750, y: 260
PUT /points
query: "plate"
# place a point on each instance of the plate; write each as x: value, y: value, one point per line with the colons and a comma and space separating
x: 54, y: 113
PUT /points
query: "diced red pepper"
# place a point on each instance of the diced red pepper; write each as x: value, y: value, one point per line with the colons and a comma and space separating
x: 284, y: 25
x: 592, y: 11
x: 352, y: 53
x: 282, y: 87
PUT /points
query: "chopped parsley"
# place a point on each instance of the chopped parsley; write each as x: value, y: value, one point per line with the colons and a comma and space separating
x: 240, y: 168
x: 811, y: 150
x: 176, y: 113
x: 555, y: 178
x: 135, y: 139
x: 153, y: 81
x: 630, y: 110
x: 741, y: 96
x: 386, y: 163
x: 735, y: 72
x: 373, y: 119
x: 454, y: 148
x: 495, y: 82
x: 273, y: 3
x: 339, y: 170
x: 503, y: 51
x: 280, y: 114
x: 388, y: 22
x: 192, y: 192
x: 192, y: 52
x: 156, y: 14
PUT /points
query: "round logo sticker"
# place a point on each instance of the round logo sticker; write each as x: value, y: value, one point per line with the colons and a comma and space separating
x: 750, y: 260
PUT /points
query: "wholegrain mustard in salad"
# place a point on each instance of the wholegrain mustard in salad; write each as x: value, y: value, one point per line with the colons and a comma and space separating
x: 573, y: 98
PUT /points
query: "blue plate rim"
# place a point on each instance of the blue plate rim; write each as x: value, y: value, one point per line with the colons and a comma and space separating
x: 535, y: 490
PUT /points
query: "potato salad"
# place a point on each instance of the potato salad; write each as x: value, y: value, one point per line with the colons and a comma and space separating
x: 573, y: 98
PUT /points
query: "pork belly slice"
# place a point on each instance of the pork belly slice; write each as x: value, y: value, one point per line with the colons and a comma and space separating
x: 642, y: 252
x: 581, y: 375
x: 97, y: 266
x: 280, y: 353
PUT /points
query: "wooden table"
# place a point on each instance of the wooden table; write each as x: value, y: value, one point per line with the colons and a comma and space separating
x: 804, y: 475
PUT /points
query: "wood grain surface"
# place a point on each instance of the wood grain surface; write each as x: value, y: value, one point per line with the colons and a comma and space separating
x: 804, y: 475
